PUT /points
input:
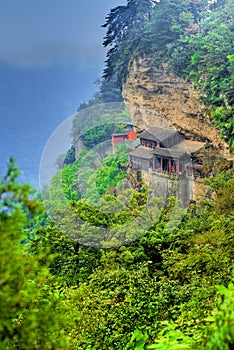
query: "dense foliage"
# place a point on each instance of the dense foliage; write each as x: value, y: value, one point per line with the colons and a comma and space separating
x: 100, y: 119
x: 31, y: 313
x: 94, y: 136
x: 85, y: 273
x: 170, y: 288
x: 195, y: 38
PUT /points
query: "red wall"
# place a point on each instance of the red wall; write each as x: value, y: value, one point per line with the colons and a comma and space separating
x: 131, y: 135
x: 117, y: 139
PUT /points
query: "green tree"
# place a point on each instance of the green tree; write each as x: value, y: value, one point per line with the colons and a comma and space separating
x: 124, y: 27
x: 30, y: 315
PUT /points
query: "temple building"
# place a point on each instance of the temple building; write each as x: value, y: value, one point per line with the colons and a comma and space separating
x: 164, y: 150
x: 159, y: 137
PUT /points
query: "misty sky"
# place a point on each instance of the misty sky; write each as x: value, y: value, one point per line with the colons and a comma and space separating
x: 50, y: 55
x: 38, y: 32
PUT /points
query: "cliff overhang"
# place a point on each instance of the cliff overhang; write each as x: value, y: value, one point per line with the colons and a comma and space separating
x: 154, y: 96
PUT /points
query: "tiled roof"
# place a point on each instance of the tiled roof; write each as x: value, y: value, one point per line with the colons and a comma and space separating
x: 169, y: 153
x: 141, y: 152
x: 158, y: 133
x: 190, y: 146
x: 120, y: 134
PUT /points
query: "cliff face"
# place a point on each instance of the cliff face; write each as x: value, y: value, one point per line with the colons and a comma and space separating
x: 154, y: 96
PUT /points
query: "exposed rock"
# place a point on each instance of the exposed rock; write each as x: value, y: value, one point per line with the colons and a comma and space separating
x: 154, y: 96
x: 201, y: 191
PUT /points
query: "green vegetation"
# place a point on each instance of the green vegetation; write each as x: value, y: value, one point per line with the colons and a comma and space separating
x: 110, y: 174
x: 100, y: 119
x: 165, y: 290
x: 31, y: 313
x: 94, y: 261
x: 195, y: 38
x: 94, y: 136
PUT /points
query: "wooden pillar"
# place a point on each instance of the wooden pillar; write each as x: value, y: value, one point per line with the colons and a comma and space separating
x: 177, y: 165
x: 169, y: 165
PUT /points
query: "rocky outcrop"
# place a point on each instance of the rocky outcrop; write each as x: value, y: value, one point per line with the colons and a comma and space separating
x: 154, y: 96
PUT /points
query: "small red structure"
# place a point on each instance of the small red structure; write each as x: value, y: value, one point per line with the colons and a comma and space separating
x: 120, y: 138
x: 131, y: 135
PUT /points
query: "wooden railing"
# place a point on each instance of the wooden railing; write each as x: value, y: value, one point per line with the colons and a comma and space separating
x: 164, y: 173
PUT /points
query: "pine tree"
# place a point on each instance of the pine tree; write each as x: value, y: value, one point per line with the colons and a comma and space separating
x: 124, y: 27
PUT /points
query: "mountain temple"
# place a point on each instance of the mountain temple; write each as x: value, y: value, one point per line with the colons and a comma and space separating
x: 164, y: 150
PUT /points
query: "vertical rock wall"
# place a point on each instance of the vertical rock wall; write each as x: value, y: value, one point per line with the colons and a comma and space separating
x: 154, y: 96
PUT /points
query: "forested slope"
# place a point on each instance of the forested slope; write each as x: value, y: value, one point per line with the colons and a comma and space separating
x: 95, y: 261
x: 169, y: 287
